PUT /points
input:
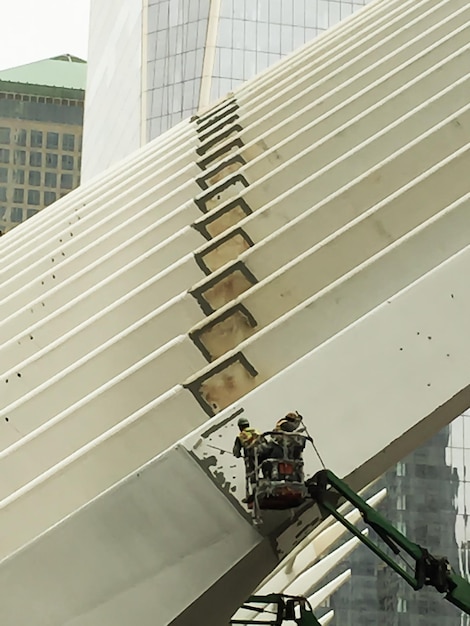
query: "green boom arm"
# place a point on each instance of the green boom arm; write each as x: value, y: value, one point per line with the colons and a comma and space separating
x: 327, y: 490
x: 294, y: 608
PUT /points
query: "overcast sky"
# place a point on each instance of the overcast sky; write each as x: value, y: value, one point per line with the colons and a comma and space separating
x: 39, y: 29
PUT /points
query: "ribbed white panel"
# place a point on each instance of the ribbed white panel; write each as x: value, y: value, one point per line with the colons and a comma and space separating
x: 253, y: 250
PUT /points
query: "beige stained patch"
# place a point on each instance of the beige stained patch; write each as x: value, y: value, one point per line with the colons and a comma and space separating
x: 226, y: 289
x: 228, y: 169
x: 254, y: 150
x: 227, y: 386
x: 225, y: 252
x: 233, y: 188
x: 223, y: 336
x: 225, y: 221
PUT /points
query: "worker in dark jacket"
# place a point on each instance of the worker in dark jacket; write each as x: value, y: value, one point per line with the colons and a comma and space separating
x: 290, y: 423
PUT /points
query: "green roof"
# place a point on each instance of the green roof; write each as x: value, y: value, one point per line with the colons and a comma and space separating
x: 64, y: 71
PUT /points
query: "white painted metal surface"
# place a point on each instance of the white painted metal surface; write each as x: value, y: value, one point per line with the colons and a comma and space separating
x: 302, y: 245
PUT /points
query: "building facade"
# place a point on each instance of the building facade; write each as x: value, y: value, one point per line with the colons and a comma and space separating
x: 423, y: 503
x: 171, y: 58
x: 41, y: 118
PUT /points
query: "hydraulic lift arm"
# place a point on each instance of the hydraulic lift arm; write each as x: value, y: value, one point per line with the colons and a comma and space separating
x: 292, y: 608
x: 328, y: 490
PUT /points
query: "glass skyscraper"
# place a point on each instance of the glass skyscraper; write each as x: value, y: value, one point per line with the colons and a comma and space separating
x: 200, y: 50
x: 159, y: 61
x: 422, y: 502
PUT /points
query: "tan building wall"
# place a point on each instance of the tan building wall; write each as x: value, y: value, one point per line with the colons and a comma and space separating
x: 39, y: 163
x: 41, y: 121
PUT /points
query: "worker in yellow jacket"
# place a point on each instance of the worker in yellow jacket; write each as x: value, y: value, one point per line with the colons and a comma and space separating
x: 246, y: 438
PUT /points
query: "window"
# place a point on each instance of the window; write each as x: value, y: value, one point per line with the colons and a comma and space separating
x: 68, y: 142
x: 36, y: 139
x: 49, y: 197
x: 401, y: 605
x: 401, y: 468
x: 31, y: 212
x: 66, y: 181
x: 20, y: 137
x: 35, y: 159
x: 4, y: 155
x: 3, y: 194
x: 34, y: 178
x: 18, y: 195
x: 401, y: 502
x: 18, y: 176
x: 33, y: 197
x: 50, y: 179
x: 67, y: 162
x: 51, y: 160
x: 20, y: 157
x: 3, y: 174
x: 16, y: 214
x: 401, y: 527
x: 4, y: 135
x: 52, y: 141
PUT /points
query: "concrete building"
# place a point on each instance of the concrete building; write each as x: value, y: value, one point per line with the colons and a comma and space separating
x: 164, y: 60
x: 41, y: 117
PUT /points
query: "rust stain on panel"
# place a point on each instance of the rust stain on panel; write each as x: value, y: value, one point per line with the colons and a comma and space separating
x: 223, y: 336
x: 223, y: 172
x: 254, y: 150
x: 227, y: 386
x: 224, y: 194
x: 225, y: 221
x: 226, y: 289
x: 227, y: 251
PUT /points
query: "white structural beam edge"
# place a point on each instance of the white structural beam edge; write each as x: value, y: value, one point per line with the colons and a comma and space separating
x: 422, y: 353
x: 310, y: 578
x: 97, y: 270
x: 60, y: 422
x: 333, y: 191
x: 437, y: 31
x: 290, y: 333
x: 322, y: 594
x: 60, y: 284
x: 326, y: 619
x: 164, y: 144
x: 311, y: 550
x: 154, y: 291
x: 119, y: 179
x: 348, y: 202
x: 58, y: 426
x: 178, y: 134
x: 15, y: 317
